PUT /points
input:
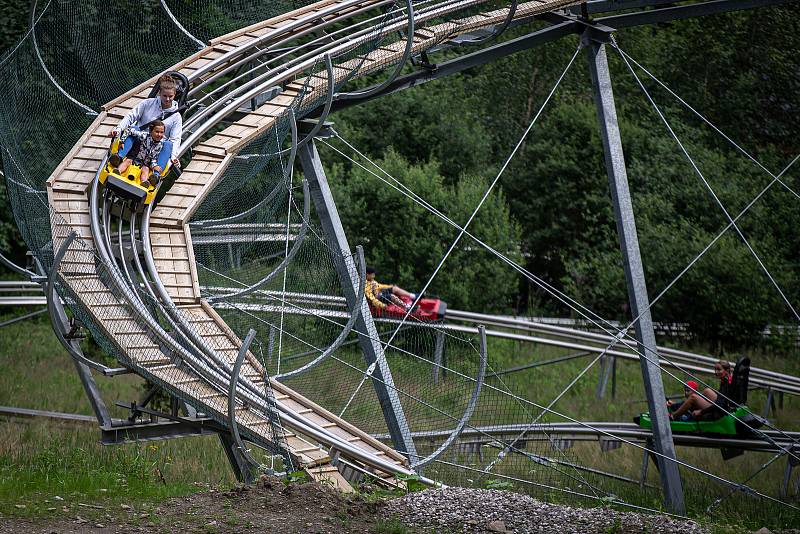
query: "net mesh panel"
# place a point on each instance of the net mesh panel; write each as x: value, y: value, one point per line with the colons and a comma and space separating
x: 210, y: 19
x: 126, y: 323
x: 242, y: 233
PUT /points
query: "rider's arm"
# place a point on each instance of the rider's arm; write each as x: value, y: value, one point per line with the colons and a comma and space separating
x: 175, y: 133
x: 132, y: 118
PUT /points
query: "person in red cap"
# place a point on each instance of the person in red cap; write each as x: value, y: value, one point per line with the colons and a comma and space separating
x: 694, y: 403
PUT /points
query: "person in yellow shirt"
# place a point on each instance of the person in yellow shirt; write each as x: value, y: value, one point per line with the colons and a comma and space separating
x: 380, y: 295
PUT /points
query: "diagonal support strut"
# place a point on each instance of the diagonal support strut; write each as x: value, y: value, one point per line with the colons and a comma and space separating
x: 634, y: 270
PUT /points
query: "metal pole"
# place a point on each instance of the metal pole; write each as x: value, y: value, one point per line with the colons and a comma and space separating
x: 242, y: 469
x: 438, y: 356
x: 645, y: 465
x: 343, y: 263
x: 61, y: 327
x: 768, y: 403
x: 634, y: 271
x: 613, y: 377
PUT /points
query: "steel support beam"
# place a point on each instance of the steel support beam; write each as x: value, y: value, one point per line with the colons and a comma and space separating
x: 84, y: 372
x: 365, y: 327
x: 438, y: 357
x: 244, y: 471
x: 475, y: 59
x: 161, y: 430
x: 634, y: 271
x: 605, y: 6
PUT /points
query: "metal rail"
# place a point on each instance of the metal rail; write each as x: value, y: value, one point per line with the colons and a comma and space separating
x: 605, y: 340
x: 693, y: 362
x: 286, y: 71
x: 398, y: 68
x: 596, y: 431
x: 234, y: 426
x: 219, y: 374
x: 470, y: 409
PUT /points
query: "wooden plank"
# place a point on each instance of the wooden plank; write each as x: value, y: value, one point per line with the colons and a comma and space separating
x: 280, y: 388
x: 209, y: 150
x: 202, y: 164
x: 77, y: 146
x: 237, y: 41
x: 187, y: 188
x: 192, y: 261
x: 331, y: 476
x: 91, y: 154
x: 237, y: 130
x: 69, y: 187
x: 258, y: 121
x: 176, y: 201
x: 163, y: 220
x: 223, y: 47
x: 277, y: 20
x: 187, y: 214
x: 131, y: 101
x: 200, y: 61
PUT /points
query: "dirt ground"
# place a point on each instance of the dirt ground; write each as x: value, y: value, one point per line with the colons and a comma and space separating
x: 270, y: 506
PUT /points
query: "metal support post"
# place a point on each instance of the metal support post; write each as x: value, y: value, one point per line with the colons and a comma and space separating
x: 244, y: 470
x: 230, y: 256
x: 61, y: 322
x: 634, y: 271
x: 791, y: 463
x: 365, y: 327
x: 603, y: 374
x: 645, y: 465
x: 770, y: 403
x: 613, y: 377
x: 438, y: 356
x: 608, y: 371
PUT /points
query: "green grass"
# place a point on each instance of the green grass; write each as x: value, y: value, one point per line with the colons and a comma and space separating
x: 391, y: 526
x: 41, y: 459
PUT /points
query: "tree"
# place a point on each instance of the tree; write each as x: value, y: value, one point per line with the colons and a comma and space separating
x: 405, y: 242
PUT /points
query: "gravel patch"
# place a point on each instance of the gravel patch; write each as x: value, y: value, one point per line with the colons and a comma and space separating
x: 478, y: 510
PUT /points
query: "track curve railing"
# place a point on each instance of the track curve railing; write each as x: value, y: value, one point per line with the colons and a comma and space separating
x: 138, y: 285
x: 468, y: 411
x: 348, y: 327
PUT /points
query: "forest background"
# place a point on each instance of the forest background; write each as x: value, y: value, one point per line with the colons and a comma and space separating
x: 552, y: 211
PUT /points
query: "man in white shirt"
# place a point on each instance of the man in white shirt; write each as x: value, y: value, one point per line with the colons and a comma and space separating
x: 162, y: 107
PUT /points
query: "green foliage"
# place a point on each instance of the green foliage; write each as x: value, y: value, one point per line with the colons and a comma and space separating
x: 615, y: 527
x: 556, y: 189
x: 413, y: 483
x: 296, y: 477
x: 75, y: 472
x: 499, y: 484
x: 439, y: 123
x: 405, y: 242
x: 12, y: 25
x: 390, y: 526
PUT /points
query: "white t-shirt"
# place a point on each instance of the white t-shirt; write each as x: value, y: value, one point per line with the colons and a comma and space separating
x: 150, y: 110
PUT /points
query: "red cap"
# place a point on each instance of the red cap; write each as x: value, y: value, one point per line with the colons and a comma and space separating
x: 692, y: 384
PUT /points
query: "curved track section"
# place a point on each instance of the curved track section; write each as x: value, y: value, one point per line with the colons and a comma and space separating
x: 156, y: 322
